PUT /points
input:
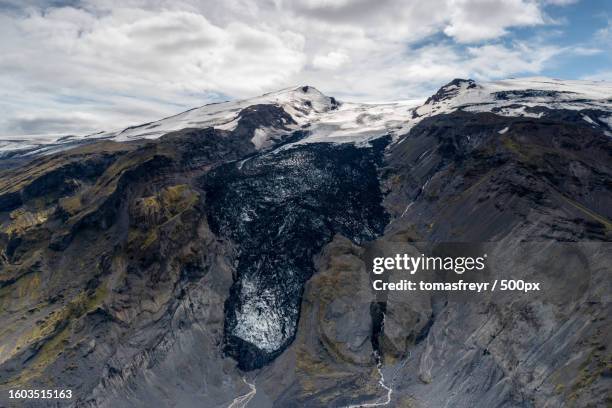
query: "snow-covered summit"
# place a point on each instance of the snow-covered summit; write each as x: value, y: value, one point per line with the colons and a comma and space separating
x: 512, y: 97
x: 327, y: 120
x: 303, y: 103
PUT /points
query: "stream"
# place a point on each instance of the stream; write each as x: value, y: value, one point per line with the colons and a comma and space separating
x: 383, y: 384
x: 243, y: 400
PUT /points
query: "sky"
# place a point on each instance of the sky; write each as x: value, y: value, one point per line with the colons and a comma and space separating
x: 82, y: 66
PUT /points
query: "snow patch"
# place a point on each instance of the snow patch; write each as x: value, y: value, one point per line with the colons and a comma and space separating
x: 361, y: 122
x: 589, y: 120
x: 261, y: 138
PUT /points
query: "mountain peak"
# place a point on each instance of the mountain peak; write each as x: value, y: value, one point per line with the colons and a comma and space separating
x: 452, y: 89
x: 517, y: 96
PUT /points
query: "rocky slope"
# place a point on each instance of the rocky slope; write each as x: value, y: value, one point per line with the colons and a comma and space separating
x: 221, y: 257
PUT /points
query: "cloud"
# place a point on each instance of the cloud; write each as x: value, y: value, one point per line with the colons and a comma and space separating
x: 176, y: 50
x: 88, y: 65
x: 586, y: 51
x: 492, y: 61
x: 53, y: 123
x: 605, y: 34
x: 476, y: 20
x: 331, y: 60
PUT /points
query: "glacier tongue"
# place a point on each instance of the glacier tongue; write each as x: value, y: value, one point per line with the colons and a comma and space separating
x: 280, y: 209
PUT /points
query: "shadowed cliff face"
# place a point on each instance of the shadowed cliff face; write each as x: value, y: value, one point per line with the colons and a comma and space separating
x: 476, y: 177
x: 160, y: 272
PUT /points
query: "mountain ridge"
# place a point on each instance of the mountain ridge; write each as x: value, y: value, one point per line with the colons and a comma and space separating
x: 339, y: 121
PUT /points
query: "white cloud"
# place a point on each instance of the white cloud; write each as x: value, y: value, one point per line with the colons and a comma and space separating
x: 605, y: 34
x: 586, y: 51
x: 176, y: 50
x: 476, y: 20
x: 498, y: 61
x: 331, y: 60
x: 100, y: 64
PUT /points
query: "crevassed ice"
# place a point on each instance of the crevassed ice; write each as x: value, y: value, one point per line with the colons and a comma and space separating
x: 259, y: 322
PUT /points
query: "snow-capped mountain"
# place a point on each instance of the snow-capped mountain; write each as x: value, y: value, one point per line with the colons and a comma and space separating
x: 520, y: 97
x: 224, y: 253
x: 329, y: 120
